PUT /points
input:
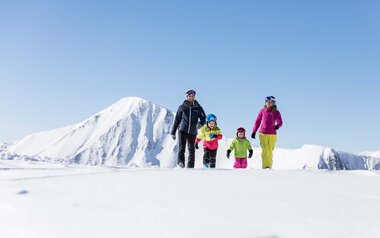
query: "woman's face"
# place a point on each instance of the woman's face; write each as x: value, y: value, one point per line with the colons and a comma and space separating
x: 211, y: 124
x: 269, y: 104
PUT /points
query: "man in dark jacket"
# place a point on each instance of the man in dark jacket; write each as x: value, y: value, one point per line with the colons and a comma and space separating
x: 190, y: 117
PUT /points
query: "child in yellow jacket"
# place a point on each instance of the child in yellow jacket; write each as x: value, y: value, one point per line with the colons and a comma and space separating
x: 240, y: 145
x: 210, y: 134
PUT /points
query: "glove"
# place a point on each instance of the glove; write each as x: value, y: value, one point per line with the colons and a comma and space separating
x: 253, y: 136
x: 228, y: 153
x: 276, y: 127
x: 174, y: 137
x: 250, y: 154
x: 213, y: 136
x: 199, y: 126
x: 196, y: 146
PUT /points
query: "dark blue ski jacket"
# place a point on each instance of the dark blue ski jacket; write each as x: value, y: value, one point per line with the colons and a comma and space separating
x: 188, y: 116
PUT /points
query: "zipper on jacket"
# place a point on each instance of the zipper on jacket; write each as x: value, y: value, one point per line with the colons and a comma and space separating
x: 190, y: 119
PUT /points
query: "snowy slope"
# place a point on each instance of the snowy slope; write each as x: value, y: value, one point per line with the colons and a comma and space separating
x: 36, y: 201
x: 375, y: 154
x: 306, y: 157
x: 131, y: 132
x: 2, y: 145
x: 135, y: 132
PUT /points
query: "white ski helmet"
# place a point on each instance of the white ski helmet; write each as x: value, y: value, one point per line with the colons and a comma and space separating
x: 270, y: 99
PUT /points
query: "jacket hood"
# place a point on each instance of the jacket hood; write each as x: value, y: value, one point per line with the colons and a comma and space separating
x: 189, y: 104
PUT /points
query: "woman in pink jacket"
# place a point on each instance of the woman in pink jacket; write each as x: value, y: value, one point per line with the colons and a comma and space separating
x: 269, y: 121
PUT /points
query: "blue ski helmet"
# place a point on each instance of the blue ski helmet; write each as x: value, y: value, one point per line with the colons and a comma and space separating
x: 211, y: 117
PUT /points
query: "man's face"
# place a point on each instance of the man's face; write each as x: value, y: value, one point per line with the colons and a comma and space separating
x: 191, y: 97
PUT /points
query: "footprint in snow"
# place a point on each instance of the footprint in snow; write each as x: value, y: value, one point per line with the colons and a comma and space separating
x: 23, y: 192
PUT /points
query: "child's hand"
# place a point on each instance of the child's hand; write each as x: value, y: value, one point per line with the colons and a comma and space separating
x: 228, y: 153
x: 213, y: 136
x: 250, y: 154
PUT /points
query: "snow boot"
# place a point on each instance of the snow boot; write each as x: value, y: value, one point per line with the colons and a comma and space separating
x: 181, y: 165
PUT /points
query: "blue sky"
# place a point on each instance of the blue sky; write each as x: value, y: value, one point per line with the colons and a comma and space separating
x: 62, y: 61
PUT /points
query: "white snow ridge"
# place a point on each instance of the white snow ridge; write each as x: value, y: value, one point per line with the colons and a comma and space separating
x: 375, y: 154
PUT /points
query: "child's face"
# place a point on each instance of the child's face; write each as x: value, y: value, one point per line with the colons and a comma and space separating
x: 241, y: 135
x: 211, y: 124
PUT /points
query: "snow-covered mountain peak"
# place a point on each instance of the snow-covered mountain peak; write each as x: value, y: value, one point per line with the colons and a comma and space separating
x: 125, y: 107
x: 131, y: 131
x: 127, y: 104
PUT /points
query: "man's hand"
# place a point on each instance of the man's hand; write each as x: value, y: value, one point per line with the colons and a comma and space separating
x: 174, y: 137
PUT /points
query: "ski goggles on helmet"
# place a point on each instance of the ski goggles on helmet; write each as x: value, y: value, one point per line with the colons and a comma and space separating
x: 270, y: 99
x: 211, y: 117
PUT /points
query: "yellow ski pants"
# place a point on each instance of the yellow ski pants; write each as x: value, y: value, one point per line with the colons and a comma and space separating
x: 267, y: 142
